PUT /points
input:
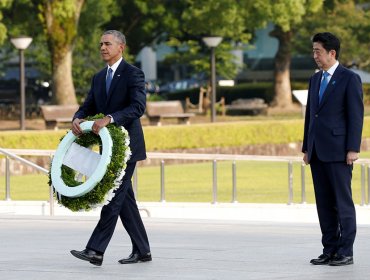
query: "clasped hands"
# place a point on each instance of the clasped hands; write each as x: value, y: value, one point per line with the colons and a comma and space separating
x: 98, y: 124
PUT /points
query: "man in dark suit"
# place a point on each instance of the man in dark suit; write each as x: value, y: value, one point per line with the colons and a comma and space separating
x: 117, y: 91
x: 332, y: 138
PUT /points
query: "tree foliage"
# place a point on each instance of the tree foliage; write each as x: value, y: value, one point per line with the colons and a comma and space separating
x: 3, y: 5
x: 353, y: 33
x: 86, y: 55
x: 199, y: 19
x: 287, y: 14
x: 145, y: 22
x: 182, y: 24
x: 21, y: 18
x: 218, y: 18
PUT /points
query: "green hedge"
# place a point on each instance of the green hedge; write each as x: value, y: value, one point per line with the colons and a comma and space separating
x: 42, y: 139
x: 228, y: 134
x: 250, y: 90
x: 233, y: 134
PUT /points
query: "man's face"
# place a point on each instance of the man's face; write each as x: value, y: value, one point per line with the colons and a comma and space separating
x: 110, y: 49
x: 324, y: 59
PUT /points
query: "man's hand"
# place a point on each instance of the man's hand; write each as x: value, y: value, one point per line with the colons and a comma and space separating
x: 351, y: 157
x: 100, y: 123
x: 305, y: 158
x: 76, y: 129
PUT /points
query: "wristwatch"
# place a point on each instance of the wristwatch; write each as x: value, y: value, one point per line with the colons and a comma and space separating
x: 111, y: 118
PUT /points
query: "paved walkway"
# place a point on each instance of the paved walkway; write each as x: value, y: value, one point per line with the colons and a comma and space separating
x: 252, y: 212
x: 37, y: 247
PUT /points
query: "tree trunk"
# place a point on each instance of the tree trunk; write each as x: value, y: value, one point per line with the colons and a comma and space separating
x: 61, y: 22
x: 62, y: 82
x: 283, y: 95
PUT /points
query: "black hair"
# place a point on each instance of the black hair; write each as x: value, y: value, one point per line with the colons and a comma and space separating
x: 329, y: 42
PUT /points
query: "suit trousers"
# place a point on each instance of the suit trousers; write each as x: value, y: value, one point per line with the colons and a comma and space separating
x: 123, y: 205
x: 335, y: 208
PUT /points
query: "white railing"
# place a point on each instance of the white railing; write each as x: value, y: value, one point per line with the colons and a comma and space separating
x: 16, y: 153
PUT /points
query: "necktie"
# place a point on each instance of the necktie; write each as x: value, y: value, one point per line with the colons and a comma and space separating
x: 323, y: 85
x: 109, y: 80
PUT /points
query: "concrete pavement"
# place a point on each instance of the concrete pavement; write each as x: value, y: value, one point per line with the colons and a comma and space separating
x: 295, y: 213
x: 37, y: 247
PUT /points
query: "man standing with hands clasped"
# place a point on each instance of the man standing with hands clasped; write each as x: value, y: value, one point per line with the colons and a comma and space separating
x: 118, y: 92
x: 332, y: 138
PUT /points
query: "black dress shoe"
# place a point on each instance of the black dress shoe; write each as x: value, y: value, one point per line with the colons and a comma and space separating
x: 89, y: 255
x: 135, y: 258
x: 322, y: 259
x: 341, y: 260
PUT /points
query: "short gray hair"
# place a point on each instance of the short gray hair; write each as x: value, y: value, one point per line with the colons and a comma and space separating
x: 118, y: 35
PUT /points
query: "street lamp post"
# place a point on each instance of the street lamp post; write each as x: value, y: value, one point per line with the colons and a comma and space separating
x: 212, y: 43
x: 21, y: 43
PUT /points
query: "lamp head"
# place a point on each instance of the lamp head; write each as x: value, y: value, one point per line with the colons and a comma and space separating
x: 21, y: 42
x: 212, y: 41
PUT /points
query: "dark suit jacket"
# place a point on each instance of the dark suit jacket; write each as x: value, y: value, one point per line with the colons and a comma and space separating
x: 334, y: 126
x: 125, y: 102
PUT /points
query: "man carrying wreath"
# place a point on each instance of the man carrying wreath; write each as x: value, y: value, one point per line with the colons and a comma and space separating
x: 118, y: 92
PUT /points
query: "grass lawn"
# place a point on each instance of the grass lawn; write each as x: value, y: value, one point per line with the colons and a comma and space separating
x: 257, y: 182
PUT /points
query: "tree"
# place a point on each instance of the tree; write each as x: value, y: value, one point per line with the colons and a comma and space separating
x: 354, y: 33
x: 287, y: 15
x: 60, y: 21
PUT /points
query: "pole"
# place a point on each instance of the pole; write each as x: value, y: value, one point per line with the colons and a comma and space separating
x: 214, y: 172
x: 290, y: 182
x: 22, y: 90
x: 234, y: 200
x: 7, y: 178
x: 213, y: 85
x: 303, y: 183
x: 162, y: 182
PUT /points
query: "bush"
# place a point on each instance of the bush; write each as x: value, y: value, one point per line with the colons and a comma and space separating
x: 231, y: 134
x: 234, y: 134
x: 154, y: 97
x: 47, y: 140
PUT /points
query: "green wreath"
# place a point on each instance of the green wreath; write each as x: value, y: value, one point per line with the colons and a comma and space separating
x: 104, y: 190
